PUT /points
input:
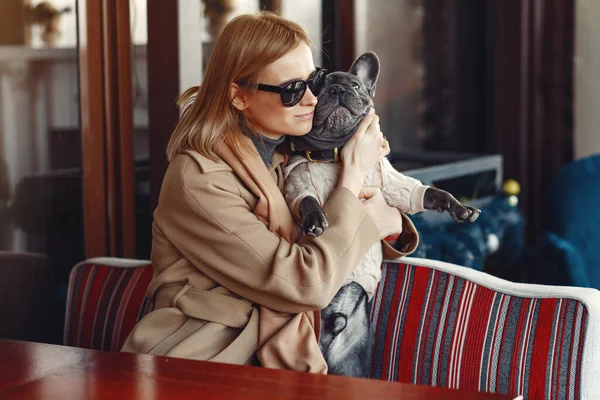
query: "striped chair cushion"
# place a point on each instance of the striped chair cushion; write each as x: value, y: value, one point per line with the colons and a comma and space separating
x: 434, y: 328
x: 104, y: 303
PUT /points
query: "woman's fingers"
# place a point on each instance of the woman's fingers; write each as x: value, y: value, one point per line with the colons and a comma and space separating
x: 365, y: 123
x: 374, y: 128
x: 385, y: 149
x: 368, y: 192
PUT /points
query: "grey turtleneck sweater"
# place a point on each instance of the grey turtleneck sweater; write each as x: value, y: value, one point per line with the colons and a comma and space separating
x: 266, y: 147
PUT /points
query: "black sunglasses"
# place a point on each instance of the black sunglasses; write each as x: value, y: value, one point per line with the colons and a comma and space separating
x: 291, y: 93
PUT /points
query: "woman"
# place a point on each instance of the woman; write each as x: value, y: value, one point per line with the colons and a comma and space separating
x: 233, y: 282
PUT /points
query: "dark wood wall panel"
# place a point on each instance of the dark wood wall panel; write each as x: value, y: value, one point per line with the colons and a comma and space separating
x: 92, y: 126
x: 119, y: 133
x: 455, y: 62
x: 163, y: 86
x: 107, y: 128
x: 531, y: 121
x: 338, y: 34
x: 499, y: 80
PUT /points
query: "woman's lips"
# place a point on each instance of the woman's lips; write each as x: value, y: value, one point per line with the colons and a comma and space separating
x: 306, y: 116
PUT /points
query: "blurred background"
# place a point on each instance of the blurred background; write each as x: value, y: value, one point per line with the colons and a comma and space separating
x: 489, y: 99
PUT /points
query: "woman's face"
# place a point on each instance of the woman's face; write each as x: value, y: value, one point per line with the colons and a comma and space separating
x: 265, y: 109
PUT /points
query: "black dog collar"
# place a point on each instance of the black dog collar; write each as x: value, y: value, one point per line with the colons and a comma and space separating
x: 325, y: 156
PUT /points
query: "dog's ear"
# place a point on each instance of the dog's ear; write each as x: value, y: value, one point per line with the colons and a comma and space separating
x: 366, y: 67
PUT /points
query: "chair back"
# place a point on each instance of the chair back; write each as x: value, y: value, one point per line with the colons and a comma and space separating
x: 440, y: 324
x: 106, y: 298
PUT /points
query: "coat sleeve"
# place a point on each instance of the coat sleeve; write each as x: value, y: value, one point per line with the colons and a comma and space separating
x: 214, y: 228
x: 405, y: 245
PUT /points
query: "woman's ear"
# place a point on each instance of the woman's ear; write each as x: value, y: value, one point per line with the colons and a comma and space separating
x: 239, y: 99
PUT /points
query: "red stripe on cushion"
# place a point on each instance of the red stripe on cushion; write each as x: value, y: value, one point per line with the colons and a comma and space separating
x: 412, y: 323
x: 123, y: 305
x: 100, y: 309
x: 407, y: 344
x: 132, y: 309
x: 76, y: 319
x: 115, y: 298
x: 541, y: 349
x: 474, y: 342
x: 81, y: 301
x: 99, y: 293
x: 92, y: 297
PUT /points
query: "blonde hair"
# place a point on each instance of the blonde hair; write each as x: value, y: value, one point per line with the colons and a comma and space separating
x: 246, y: 46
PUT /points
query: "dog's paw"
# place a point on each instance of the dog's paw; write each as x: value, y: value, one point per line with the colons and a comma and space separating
x: 463, y: 213
x: 440, y: 200
x: 314, y: 223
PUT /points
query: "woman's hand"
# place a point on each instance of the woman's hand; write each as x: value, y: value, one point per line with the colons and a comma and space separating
x: 387, y: 219
x: 362, y: 152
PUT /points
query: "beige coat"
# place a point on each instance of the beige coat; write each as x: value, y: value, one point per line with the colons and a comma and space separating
x: 231, y: 283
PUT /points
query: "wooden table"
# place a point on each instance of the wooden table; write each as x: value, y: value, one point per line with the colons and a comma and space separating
x: 34, y: 370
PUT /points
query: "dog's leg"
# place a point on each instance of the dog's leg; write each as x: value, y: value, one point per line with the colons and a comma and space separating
x: 400, y: 191
x: 298, y: 187
x: 410, y: 196
x: 346, y: 333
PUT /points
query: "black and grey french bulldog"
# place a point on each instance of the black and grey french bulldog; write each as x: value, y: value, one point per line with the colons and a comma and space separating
x: 312, y: 174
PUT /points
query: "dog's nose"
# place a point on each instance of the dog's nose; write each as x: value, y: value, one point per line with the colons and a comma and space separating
x: 335, y: 90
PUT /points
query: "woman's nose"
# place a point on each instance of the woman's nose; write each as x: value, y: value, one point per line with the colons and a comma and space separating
x: 309, y: 98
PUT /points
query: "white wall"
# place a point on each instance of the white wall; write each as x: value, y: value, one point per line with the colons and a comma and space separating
x: 587, y: 78
x: 307, y: 13
x: 192, y: 32
x: 68, y: 23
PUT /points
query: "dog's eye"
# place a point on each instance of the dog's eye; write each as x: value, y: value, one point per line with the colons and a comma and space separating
x: 355, y: 85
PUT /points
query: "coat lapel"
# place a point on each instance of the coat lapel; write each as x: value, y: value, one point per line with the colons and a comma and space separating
x: 271, y: 207
x: 287, y: 341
